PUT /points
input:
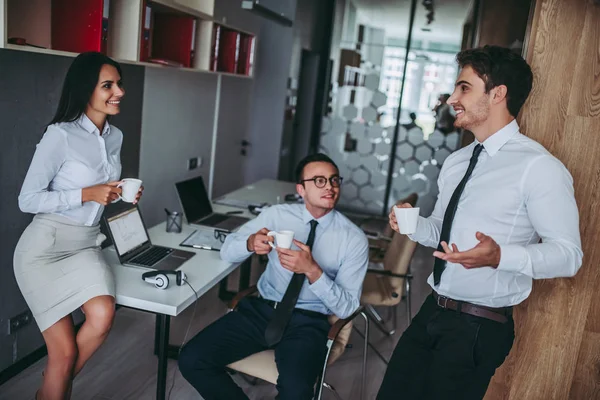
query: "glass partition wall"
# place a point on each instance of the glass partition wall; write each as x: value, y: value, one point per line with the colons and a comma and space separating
x: 389, y: 59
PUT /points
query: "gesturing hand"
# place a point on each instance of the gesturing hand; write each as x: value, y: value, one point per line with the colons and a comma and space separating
x: 485, y: 254
x: 103, y: 194
x: 259, y: 242
x: 300, y: 261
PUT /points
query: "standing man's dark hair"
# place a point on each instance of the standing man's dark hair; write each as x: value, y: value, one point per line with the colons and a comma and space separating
x: 500, y: 66
x: 318, y: 157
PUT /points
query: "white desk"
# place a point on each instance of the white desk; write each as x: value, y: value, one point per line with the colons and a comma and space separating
x: 203, y: 271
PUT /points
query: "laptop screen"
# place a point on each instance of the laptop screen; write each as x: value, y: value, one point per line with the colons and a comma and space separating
x: 194, y: 199
x: 127, y: 230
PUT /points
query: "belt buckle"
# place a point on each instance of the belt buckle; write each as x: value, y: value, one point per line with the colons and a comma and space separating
x: 445, y: 301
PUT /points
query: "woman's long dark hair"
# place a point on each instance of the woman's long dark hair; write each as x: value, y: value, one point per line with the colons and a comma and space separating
x: 80, y: 82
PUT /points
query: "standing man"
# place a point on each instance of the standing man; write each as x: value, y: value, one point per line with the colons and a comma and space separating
x: 498, y: 198
x: 301, y: 286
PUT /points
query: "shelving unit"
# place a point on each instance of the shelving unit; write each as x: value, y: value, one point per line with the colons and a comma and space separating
x: 179, y: 33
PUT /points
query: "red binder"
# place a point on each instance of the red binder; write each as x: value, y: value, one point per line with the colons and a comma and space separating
x: 77, y: 25
x: 172, y: 38
x: 228, y: 50
x: 243, y: 63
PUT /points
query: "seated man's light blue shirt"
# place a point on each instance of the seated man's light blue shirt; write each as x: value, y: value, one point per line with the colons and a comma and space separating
x: 340, y: 249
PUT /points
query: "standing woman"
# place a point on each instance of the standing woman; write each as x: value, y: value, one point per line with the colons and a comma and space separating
x: 58, y: 263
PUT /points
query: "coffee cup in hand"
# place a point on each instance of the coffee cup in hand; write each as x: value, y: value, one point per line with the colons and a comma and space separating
x: 283, y: 239
x: 130, y: 188
x: 407, y: 219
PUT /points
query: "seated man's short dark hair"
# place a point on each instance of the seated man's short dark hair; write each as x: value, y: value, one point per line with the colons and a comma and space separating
x: 318, y: 157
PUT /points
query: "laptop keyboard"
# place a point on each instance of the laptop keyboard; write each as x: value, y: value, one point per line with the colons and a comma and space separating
x: 214, y: 219
x: 151, y: 256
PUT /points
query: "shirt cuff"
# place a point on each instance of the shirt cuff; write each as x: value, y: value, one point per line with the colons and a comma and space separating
x: 242, y: 248
x: 512, y: 258
x: 420, y: 233
x: 322, y: 286
x: 74, y: 198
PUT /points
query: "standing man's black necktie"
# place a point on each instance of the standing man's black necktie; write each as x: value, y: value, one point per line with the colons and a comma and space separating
x: 440, y: 265
x: 284, y: 309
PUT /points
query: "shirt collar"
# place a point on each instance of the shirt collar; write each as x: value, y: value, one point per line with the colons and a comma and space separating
x: 89, y: 126
x: 324, y: 221
x: 495, y: 142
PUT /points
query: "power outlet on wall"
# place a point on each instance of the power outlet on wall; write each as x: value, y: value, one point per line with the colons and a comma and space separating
x: 19, y: 321
x: 194, y: 163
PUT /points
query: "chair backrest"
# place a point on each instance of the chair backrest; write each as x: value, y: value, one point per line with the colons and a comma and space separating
x: 412, y: 200
x: 341, y: 341
x: 397, y: 259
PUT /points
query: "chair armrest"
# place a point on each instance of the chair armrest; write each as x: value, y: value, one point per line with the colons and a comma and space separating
x: 389, y: 273
x: 238, y: 297
x: 340, y: 323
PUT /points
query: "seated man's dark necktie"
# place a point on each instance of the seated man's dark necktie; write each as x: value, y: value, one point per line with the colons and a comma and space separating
x: 285, y: 308
x: 440, y: 265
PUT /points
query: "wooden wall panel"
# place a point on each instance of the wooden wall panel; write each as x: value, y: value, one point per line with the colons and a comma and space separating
x: 557, y: 351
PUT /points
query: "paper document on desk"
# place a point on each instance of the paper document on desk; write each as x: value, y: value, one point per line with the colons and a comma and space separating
x: 204, y: 239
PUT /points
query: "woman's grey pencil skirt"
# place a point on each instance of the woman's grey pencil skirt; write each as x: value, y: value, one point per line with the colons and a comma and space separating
x: 59, y: 266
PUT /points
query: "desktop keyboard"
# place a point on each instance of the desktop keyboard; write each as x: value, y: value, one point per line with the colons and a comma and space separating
x: 151, y: 256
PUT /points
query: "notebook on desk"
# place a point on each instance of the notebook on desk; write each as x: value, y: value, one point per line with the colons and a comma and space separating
x: 198, y: 209
x: 205, y: 239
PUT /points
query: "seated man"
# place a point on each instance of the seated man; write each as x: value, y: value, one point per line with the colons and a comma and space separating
x: 321, y: 275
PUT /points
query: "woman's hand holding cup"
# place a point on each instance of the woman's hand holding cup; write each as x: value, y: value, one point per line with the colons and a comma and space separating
x: 103, y: 194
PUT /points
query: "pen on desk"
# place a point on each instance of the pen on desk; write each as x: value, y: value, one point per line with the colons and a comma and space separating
x: 234, y: 212
x: 196, y: 246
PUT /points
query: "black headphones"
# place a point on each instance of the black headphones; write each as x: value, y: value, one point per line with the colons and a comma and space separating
x: 161, y: 281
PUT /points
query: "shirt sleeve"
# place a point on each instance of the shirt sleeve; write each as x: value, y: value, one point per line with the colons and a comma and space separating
x: 235, y: 248
x: 429, y: 229
x: 342, y: 294
x: 35, y: 196
x: 552, y: 210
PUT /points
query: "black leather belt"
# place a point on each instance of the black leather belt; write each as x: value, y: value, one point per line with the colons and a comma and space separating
x: 495, y: 314
x: 308, y: 313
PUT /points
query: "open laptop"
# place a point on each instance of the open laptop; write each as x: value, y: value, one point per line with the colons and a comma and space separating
x: 133, y: 246
x: 198, y: 209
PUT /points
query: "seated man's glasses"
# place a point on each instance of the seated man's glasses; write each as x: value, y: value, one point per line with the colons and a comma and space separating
x: 321, y: 181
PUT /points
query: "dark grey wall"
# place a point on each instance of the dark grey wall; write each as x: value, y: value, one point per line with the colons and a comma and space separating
x: 178, y: 116
x: 30, y: 87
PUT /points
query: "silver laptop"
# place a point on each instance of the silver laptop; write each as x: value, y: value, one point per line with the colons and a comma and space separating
x: 133, y: 246
x: 198, y: 209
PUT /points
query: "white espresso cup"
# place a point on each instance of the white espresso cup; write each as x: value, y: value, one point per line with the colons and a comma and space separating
x: 407, y: 219
x: 283, y: 239
x: 130, y: 188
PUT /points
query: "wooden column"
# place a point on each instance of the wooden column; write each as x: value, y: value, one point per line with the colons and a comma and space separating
x: 557, y: 351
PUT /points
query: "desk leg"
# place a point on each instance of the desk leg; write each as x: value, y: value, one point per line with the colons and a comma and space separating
x: 244, y: 282
x: 161, y: 343
x: 245, y: 270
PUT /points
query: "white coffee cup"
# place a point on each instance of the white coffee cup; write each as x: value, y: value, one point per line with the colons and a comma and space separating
x: 283, y: 239
x: 407, y: 219
x: 130, y: 188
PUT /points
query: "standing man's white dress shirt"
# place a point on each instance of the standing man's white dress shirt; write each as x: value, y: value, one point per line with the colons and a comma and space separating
x: 518, y: 194
x: 71, y: 156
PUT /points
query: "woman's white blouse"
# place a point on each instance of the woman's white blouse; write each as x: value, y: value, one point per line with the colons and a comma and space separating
x: 71, y: 156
